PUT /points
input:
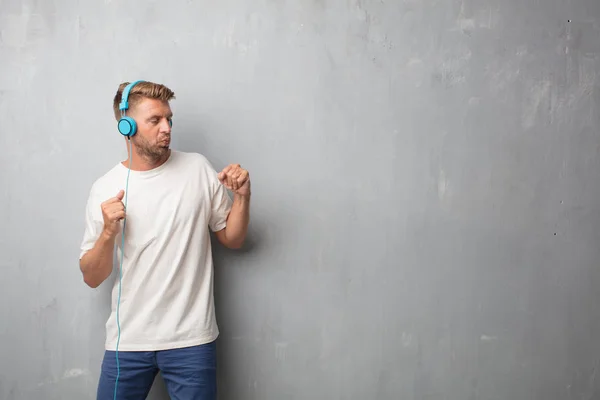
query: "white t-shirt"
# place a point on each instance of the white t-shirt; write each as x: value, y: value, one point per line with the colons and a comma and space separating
x: 167, y: 283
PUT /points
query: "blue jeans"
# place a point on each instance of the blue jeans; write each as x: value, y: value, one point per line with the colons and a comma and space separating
x: 189, y: 373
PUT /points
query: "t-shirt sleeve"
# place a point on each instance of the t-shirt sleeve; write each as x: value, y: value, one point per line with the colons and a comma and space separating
x: 220, y: 206
x: 92, y: 227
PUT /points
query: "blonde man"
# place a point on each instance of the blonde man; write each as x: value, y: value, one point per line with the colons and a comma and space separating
x: 157, y: 207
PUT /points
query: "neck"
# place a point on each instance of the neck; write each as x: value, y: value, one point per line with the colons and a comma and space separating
x: 145, y: 162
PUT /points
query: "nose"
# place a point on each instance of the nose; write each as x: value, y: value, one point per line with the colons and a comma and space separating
x: 166, y: 125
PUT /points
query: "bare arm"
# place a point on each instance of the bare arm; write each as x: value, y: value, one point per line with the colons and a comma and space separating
x: 234, y: 234
x: 96, y: 265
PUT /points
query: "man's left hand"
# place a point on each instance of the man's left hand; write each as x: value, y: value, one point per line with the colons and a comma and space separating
x: 236, y: 179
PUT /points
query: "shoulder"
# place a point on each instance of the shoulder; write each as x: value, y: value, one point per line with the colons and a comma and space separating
x: 198, y: 162
x: 105, y: 184
x: 198, y: 167
x: 192, y: 157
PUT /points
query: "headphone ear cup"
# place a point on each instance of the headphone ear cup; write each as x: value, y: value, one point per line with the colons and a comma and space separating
x: 127, y: 126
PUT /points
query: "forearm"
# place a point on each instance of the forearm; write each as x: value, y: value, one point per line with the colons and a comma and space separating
x: 237, y: 222
x: 96, y: 265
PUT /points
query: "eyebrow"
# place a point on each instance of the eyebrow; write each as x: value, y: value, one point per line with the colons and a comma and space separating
x: 170, y: 115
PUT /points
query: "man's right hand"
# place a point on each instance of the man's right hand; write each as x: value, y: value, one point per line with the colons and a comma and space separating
x: 113, y: 211
x: 97, y: 264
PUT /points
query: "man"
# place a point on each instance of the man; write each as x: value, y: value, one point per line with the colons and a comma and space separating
x: 158, y: 207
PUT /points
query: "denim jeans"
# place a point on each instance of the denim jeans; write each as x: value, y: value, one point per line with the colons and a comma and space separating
x: 189, y: 373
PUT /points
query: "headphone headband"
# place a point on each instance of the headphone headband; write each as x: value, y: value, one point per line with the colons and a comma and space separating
x: 124, y: 105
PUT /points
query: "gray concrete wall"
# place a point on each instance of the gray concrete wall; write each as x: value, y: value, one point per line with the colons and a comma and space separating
x: 425, y: 216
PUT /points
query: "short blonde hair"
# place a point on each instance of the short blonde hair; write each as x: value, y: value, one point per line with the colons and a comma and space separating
x: 140, y: 91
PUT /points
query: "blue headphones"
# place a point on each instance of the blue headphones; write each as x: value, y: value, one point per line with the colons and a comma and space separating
x: 127, y: 126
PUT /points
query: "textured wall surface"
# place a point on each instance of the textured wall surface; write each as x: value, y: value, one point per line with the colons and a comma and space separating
x: 425, y: 216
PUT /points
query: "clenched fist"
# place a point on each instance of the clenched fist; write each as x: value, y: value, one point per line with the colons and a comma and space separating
x: 236, y: 179
x: 113, y: 211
